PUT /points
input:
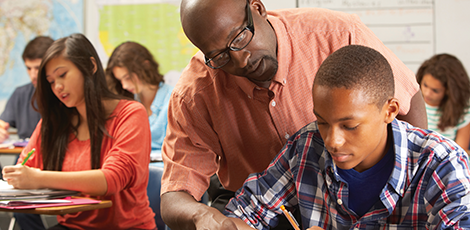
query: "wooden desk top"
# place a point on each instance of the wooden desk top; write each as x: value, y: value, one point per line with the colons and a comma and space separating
x: 15, y: 150
x: 60, y: 210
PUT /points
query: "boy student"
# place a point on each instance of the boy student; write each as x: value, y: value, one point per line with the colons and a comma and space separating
x: 357, y: 167
x: 243, y: 95
x: 18, y: 112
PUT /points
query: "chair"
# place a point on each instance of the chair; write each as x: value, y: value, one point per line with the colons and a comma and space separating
x: 153, y: 193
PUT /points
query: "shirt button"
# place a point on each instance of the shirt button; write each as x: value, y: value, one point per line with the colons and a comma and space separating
x: 249, y: 96
x: 273, y: 103
x: 340, y: 202
x: 284, y: 81
x: 287, y: 136
x: 401, y: 191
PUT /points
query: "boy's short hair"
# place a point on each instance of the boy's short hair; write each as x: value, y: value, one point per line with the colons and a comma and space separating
x: 36, y: 48
x: 358, y: 67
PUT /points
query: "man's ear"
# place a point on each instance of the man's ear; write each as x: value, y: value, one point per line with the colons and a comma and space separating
x: 259, y: 7
x: 95, y: 68
x: 392, y: 107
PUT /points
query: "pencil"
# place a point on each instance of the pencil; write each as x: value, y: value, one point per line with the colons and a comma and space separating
x: 290, y: 218
x: 27, y: 156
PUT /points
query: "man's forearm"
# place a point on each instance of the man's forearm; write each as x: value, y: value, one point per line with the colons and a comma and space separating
x: 178, y: 210
x: 181, y: 211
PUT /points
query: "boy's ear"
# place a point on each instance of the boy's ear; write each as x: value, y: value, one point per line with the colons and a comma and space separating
x: 391, y: 109
x: 95, y: 68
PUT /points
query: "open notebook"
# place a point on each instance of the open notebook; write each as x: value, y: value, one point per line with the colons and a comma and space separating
x: 44, y: 203
x: 7, y: 192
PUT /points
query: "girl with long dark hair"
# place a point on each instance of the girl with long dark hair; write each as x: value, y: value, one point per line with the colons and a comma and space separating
x: 89, y: 140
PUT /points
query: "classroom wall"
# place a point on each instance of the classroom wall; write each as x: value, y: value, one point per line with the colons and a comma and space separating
x: 413, y: 29
x: 423, y: 28
x: 443, y: 29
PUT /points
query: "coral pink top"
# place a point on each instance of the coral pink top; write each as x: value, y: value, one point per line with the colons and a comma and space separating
x: 124, y: 162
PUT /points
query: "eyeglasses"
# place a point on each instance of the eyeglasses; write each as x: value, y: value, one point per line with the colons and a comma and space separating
x: 238, y: 43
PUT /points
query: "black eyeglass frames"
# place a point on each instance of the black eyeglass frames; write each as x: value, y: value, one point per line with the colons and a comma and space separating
x: 238, y: 43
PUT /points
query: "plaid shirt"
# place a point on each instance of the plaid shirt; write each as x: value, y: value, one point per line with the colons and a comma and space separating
x: 428, y: 189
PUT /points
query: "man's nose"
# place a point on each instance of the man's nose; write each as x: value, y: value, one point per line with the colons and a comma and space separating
x: 240, y: 58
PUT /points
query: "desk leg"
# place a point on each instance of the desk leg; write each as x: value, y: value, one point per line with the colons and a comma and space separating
x: 12, y: 223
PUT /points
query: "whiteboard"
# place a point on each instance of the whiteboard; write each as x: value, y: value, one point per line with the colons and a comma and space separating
x: 413, y: 29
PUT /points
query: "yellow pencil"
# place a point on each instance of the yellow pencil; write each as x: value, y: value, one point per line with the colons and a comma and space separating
x: 290, y: 218
x: 27, y: 156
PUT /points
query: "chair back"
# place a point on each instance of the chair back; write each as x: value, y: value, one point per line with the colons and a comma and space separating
x: 153, y: 193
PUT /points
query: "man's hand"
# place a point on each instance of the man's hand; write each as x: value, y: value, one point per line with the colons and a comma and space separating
x: 211, y: 218
x: 4, y: 131
x: 181, y: 211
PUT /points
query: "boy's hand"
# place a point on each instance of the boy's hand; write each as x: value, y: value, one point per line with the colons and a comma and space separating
x: 4, y: 131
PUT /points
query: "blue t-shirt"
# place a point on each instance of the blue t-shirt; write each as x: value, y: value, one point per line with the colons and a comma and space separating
x: 19, y: 112
x: 159, y: 118
x: 365, y: 187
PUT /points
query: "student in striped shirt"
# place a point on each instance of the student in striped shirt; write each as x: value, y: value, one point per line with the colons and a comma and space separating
x: 357, y: 167
x: 446, y: 90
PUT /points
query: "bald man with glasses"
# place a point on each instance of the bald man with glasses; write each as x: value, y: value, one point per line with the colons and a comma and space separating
x: 246, y: 91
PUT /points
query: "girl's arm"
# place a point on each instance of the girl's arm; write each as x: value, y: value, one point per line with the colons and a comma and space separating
x: 92, y: 182
x: 463, y: 137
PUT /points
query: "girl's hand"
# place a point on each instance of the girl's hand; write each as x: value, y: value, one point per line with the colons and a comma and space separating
x: 22, y: 177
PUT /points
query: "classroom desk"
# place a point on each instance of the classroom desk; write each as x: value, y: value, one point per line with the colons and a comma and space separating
x: 15, y: 150
x: 60, y: 210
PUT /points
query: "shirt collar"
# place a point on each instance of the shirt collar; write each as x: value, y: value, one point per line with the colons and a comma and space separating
x: 284, y: 48
x: 400, y: 143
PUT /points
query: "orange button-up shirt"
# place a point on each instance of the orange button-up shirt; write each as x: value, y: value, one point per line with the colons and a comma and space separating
x: 226, y: 124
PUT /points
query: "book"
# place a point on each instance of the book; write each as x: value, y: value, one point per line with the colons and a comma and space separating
x: 8, y: 192
x: 29, y: 204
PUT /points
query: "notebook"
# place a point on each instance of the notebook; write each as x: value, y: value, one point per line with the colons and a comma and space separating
x: 7, y: 192
x: 28, y: 204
